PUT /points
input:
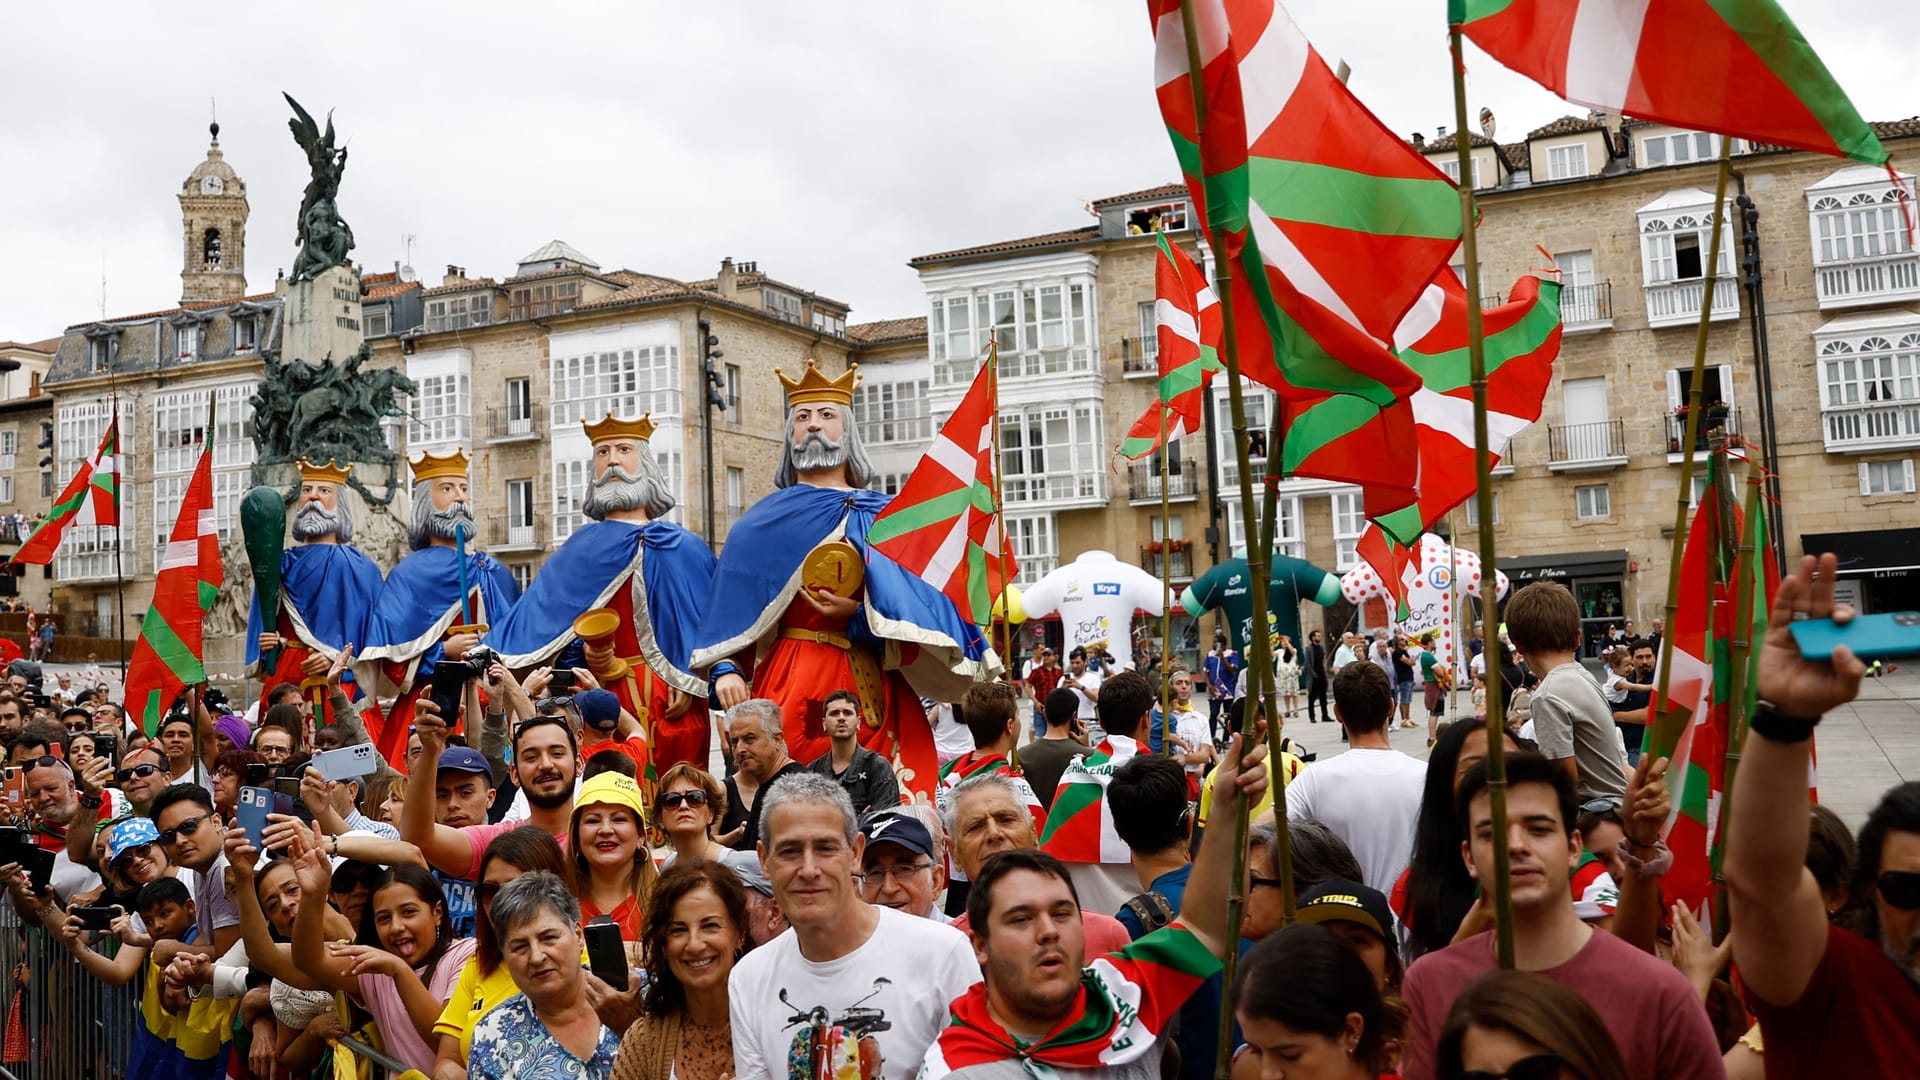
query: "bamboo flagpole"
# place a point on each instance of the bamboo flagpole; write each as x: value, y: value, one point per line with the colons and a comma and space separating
x: 1259, y: 652
x: 1660, y: 737
x: 1483, y: 496
x: 1740, y: 652
x: 1003, y: 601
x: 1166, y: 585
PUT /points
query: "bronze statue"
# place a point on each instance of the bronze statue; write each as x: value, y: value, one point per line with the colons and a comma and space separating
x: 327, y: 410
x: 324, y: 238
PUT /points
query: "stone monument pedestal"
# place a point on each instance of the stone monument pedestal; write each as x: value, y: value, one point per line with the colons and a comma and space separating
x: 322, y: 317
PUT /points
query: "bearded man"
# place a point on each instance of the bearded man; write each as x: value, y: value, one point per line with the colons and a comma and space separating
x: 652, y: 575
x: 328, y: 587
x: 420, y: 605
x: 802, y: 606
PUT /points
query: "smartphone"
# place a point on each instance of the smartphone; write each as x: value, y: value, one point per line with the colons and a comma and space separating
x: 15, y: 789
x: 347, y: 762
x: 1871, y: 637
x: 256, y: 775
x: 39, y: 867
x: 13, y: 844
x: 561, y: 683
x: 98, y: 919
x: 606, y: 954
x: 255, y: 804
x: 448, y: 687
x: 287, y: 785
x: 106, y: 744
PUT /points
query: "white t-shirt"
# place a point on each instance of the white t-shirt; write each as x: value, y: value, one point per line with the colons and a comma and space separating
x: 950, y: 737
x: 1192, y: 727
x: 1615, y: 687
x: 927, y: 965
x: 1371, y: 799
x: 1088, y: 680
x: 1095, y: 596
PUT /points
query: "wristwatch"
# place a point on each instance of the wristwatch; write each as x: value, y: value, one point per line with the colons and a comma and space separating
x: 90, y: 801
x: 1776, y: 726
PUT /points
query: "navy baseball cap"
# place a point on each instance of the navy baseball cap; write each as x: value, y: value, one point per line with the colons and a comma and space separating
x: 1340, y: 900
x: 898, y: 828
x: 599, y: 709
x: 465, y: 759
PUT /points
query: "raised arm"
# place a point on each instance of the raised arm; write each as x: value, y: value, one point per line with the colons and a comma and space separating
x: 1204, y: 908
x: 270, y: 956
x: 310, y: 952
x: 1775, y: 902
x: 1636, y: 918
x: 446, y: 849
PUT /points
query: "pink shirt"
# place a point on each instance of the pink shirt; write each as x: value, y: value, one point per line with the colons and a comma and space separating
x: 382, y: 998
x: 1105, y: 934
x: 1655, y: 1017
x: 482, y: 835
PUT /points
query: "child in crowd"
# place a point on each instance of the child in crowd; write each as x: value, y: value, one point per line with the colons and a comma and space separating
x: 1618, y: 683
x: 1480, y: 696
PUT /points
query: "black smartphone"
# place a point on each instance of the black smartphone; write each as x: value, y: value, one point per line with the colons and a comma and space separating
x: 13, y: 844
x: 606, y: 954
x: 562, y: 682
x: 449, y: 685
x: 106, y: 744
x: 287, y: 785
x: 98, y: 919
x: 39, y: 867
x: 258, y: 775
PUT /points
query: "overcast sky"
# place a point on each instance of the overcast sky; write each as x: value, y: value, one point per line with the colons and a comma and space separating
x: 831, y: 141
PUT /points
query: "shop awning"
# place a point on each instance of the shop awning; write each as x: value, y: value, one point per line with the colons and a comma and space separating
x: 1526, y: 569
x: 1867, y: 552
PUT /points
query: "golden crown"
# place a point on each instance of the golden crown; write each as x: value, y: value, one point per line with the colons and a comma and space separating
x: 611, y: 428
x: 433, y: 466
x: 331, y: 473
x: 814, y: 387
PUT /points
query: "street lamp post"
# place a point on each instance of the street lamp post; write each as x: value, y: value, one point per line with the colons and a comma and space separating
x: 715, y: 402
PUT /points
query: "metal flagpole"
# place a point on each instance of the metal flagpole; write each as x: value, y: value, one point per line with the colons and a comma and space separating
x: 1483, y: 493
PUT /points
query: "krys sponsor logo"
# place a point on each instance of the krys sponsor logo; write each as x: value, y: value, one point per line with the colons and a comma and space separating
x: 1106, y: 588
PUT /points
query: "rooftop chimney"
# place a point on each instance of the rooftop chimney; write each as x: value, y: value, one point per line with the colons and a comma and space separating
x: 1441, y: 131
x: 1419, y: 141
x: 724, y: 283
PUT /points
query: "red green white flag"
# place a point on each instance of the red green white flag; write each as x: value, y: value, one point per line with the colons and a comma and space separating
x: 1736, y: 67
x: 1190, y: 335
x: 168, y: 657
x: 1079, y: 823
x: 92, y: 497
x: 942, y: 526
x: 1331, y: 224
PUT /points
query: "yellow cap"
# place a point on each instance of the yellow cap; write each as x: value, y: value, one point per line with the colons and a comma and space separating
x: 611, y: 789
x: 433, y: 466
x: 610, y: 428
x: 813, y: 387
x: 331, y: 473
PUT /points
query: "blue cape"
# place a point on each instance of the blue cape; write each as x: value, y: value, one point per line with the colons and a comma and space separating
x: 760, y: 572
x: 329, y: 591
x: 422, y: 598
x: 676, y: 568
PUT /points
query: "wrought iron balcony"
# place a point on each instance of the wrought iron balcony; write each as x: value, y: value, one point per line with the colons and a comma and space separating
x: 504, y: 426
x: 1143, y: 482
x: 1140, y: 356
x: 1598, y: 445
x: 505, y: 536
x: 1175, y: 555
x: 1586, y: 307
x: 1713, y: 418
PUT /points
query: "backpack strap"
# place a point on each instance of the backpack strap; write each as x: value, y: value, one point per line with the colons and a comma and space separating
x: 1152, y: 909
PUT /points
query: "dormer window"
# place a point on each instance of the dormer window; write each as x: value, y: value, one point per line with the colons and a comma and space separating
x: 1163, y: 217
x: 100, y: 352
x: 784, y: 306
x: 246, y: 333
x: 1567, y: 162
x: 186, y: 340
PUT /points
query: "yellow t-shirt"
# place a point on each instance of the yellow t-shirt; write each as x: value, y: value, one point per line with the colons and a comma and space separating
x: 473, y: 997
x: 1293, y: 767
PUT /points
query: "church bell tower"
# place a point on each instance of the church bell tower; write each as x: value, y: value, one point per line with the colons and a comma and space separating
x: 213, y: 220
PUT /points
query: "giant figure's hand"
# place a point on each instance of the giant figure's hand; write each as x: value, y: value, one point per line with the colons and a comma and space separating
x: 731, y: 689
x: 269, y: 640
x: 829, y: 603
x: 678, y: 702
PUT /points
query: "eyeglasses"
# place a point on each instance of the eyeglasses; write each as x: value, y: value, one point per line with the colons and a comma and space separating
x: 671, y: 799
x: 186, y: 828
x: 1532, y: 1067
x: 274, y: 752
x: 1598, y: 806
x: 892, y: 873
x: 1901, y: 888
x: 141, y: 771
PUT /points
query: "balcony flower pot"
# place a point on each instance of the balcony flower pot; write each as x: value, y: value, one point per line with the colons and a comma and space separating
x: 1673, y: 446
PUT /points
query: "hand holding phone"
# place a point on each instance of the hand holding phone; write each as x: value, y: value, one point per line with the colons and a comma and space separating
x: 606, y: 955
x: 347, y: 762
x: 97, y: 919
x: 251, y: 814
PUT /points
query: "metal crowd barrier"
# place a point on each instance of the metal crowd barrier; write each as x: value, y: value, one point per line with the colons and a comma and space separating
x: 70, y: 1025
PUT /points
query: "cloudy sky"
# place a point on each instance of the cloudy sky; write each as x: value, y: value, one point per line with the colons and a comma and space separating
x: 830, y: 141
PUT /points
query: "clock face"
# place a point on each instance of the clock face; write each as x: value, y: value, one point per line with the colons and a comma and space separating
x: 212, y: 185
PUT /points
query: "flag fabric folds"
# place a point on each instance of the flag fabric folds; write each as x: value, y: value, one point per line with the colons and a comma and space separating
x: 168, y: 656
x: 1190, y: 335
x: 1080, y: 823
x: 1736, y: 67
x: 90, y: 498
x: 1331, y: 224
x: 942, y: 526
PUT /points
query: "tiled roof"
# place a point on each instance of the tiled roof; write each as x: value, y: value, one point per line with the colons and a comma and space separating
x: 636, y: 287
x: 1448, y: 142
x: 1164, y: 191
x: 1517, y: 155
x: 199, y: 305
x: 1044, y: 240
x: 889, y: 330
x: 1567, y: 125
x: 386, y: 290
x: 1885, y: 129
x: 465, y: 286
x: 380, y: 278
x: 49, y: 346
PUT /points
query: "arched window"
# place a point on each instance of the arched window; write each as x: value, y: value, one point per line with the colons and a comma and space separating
x: 210, y: 249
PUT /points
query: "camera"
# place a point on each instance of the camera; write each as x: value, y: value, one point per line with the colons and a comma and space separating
x: 450, y: 678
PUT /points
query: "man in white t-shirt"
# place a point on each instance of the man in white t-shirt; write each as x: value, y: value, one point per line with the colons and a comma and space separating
x: 1084, y: 680
x: 1369, y: 793
x: 1195, y: 749
x: 1095, y: 596
x: 840, y: 952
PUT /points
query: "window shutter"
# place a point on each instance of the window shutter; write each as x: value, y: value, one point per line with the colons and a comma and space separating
x: 1864, y: 483
x: 1906, y: 467
x: 1674, y: 398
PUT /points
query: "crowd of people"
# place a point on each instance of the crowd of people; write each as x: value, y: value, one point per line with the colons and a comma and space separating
x: 529, y: 899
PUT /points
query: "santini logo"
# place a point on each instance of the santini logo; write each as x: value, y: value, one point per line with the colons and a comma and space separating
x: 1106, y: 588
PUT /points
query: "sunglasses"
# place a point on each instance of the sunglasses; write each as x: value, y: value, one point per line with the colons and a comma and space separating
x: 1598, y: 806
x: 44, y: 761
x: 138, y: 851
x: 1900, y: 888
x: 141, y: 771
x: 1532, y: 1067
x: 674, y: 798
x: 186, y: 828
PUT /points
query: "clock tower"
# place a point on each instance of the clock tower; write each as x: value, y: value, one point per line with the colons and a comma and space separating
x: 213, y: 217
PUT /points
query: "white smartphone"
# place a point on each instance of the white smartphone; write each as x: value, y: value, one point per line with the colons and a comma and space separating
x: 347, y: 762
